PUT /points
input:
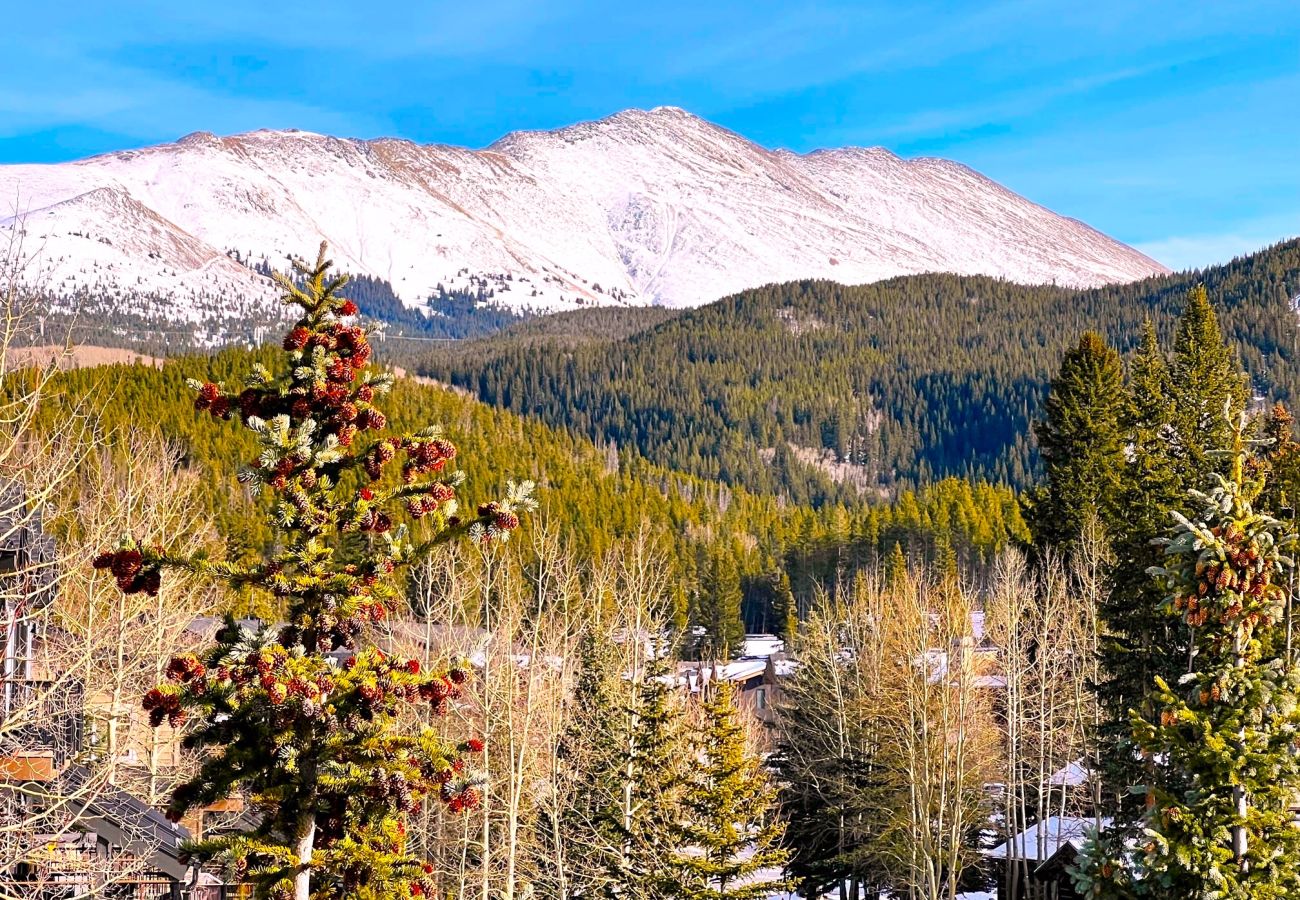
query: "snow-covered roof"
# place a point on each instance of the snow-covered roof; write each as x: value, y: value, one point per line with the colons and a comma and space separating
x: 940, y: 664
x: 1074, y: 774
x: 784, y: 668
x: 1041, y: 841
x: 698, y: 675
x: 761, y: 645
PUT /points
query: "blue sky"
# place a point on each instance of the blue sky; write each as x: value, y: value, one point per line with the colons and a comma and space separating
x: 1172, y: 126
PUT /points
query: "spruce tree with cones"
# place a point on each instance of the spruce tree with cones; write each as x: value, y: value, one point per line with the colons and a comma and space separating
x: 1227, y: 722
x: 301, y: 718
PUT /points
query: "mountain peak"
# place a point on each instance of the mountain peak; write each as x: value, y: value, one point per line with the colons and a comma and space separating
x: 658, y: 119
x: 199, y: 139
x: 643, y: 206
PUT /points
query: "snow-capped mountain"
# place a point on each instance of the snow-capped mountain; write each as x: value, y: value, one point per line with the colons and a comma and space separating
x: 641, y: 207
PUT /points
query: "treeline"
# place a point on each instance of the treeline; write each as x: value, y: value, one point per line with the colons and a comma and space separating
x: 448, y: 314
x: 596, y: 495
x: 114, y: 316
x: 907, y: 380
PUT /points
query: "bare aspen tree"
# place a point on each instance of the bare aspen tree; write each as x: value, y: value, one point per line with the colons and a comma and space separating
x: 139, y: 489
x: 888, y: 741
x: 55, y: 773
x: 516, y: 614
x: 829, y: 753
x: 938, y: 735
x: 520, y: 615
x: 1089, y: 572
x: 1043, y: 623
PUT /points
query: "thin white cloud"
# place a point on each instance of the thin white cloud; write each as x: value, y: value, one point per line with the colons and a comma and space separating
x: 381, y: 29
x: 825, y: 45
x: 1201, y: 250
x: 1011, y: 106
x: 149, y: 106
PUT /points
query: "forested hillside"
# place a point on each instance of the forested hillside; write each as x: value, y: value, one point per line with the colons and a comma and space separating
x: 591, y: 493
x: 566, y: 329
x: 906, y: 380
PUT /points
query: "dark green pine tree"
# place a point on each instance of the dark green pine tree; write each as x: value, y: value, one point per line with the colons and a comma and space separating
x: 1208, y: 390
x: 1081, y: 445
x: 622, y: 763
x: 1228, y: 726
x: 652, y: 777
x: 1177, y: 422
x: 896, y: 564
x: 718, y: 606
x: 1138, y: 640
x: 310, y: 741
x: 945, y: 558
x: 785, y: 609
x: 729, y: 834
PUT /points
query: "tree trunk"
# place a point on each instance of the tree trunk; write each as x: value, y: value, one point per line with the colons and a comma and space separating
x: 306, y: 845
x: 1238, y: 791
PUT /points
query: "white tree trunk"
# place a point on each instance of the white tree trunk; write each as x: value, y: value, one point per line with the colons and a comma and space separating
x: 306, y: 845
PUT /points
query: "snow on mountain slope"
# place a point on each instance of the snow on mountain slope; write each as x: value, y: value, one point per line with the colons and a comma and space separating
x: 652, y: 206
x: 138, y: 238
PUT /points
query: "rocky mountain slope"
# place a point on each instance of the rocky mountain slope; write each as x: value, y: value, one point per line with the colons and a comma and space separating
x: 642, y: 207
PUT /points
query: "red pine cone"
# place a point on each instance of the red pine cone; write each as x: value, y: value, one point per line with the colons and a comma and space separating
x: 184, y: 667
x: 340, y: 371
x: 376, y: 521
x: 126, y: 563
x: 250, y: 402
x: 297, y: 338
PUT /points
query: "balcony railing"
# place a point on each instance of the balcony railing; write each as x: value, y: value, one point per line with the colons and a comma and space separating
x: 42, y: 717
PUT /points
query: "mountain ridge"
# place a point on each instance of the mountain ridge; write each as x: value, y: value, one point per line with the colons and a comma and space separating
x: 642, y: 207
x: 900, y: 382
